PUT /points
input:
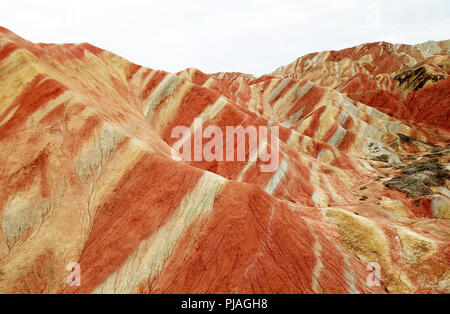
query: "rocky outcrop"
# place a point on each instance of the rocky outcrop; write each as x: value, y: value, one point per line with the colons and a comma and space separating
x: 88, y: 177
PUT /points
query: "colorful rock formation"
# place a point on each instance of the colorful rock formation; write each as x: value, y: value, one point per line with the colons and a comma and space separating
x: 87, y: 175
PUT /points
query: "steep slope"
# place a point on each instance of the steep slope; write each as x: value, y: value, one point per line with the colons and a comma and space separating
x: 381, y: 75
x: 87, y: 174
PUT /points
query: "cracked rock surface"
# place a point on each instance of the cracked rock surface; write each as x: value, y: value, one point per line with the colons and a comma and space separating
x: 87, y: 176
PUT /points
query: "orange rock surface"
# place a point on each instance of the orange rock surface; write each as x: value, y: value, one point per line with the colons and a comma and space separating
x: 87, y: 175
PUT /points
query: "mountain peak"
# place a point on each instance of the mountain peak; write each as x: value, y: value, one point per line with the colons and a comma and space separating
x: 95, y: 185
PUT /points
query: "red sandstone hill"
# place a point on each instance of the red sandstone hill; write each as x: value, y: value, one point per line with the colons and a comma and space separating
x: 87, y: 176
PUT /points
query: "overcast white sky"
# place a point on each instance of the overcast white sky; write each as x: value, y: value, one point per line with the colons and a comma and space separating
x: 253, y: 36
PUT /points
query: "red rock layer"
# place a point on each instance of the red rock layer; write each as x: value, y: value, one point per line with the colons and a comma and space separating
x: 87, y: 175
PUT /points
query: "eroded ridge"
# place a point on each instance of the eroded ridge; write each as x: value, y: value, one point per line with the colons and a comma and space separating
x: 87, y: 175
